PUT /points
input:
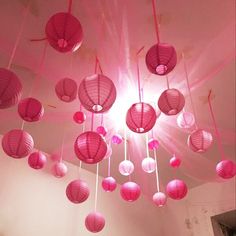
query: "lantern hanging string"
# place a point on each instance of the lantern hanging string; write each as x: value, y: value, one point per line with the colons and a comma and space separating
x: 92, y: 120
x: 98, y: 66
x: 62, y: 146
x: 80, y: 166
x: 138, y: 73
x: 167, y: 82
x: 125, y: 143
x: 80, y: 107
x: 102, y: 119
x: 109, y: 166
x: 69, y: 6
x: 155, y: 20
x: 157, y: 172
x: 147, y: 150
x: 96, y: 189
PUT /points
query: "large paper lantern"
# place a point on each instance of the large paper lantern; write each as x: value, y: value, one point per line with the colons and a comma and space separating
x: 161, y: 59
x: 226, y: 169
x: 59, y: 169
x: 159, y: 199
x: 79, y: 117
x: 141, y: 117
x: 37, y: 160
x: 153, y: 144
x: 185, y: 120
x: 171, y: 102
x: 17, y: 143
x: 90, y: 147
x: 109, y: 184
x: 200, y: 140
x: 126, y: 167
x: 101, y: 130
x: 10, y: 88
x: 175, y: 162
x: 176, y: 189
x: 130, y: 191
x: 116, y: 139
x: 148, y: 165
x: 97, y: 93
x: 64, y: 32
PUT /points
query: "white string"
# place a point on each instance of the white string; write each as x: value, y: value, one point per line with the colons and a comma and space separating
x: 96, y: 190
x: 125, y: 143
x: 157, y: 173
x: 147, y: 150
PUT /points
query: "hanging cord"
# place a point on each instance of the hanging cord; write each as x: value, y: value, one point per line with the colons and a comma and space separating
x: 138, y: 73
x: 167, y: 82
x: 147, y: 150
x: 79, y: 169
x: 157, y: 172
x: 155, y: 20
x: 62, y: 146
x: 125, y: 143
x: 109, y: 166
x: 69, y: 6
x: 92, y: 120
x: 102, y: 120
x: 98, y: 66
x: 96, y: 190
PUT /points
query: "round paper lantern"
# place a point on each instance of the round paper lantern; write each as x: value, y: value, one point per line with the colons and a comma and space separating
x: 10, y: 88
x: 161, y: 59
x: 77, y: 191
x: 153, y: 144
x: 109, y: 152
x: 130, y: 191
x: 101, y: 130
x: 64, y: 32
x: 148, y: 165
x: 226, y: 169
x: 79, y: 117
x: 200, y: 140
x: 116, y: 139
x: 94, y: 222
x: 141, y: 117
x: 175, y: 162
x: 126, y: 167
x: 59, y: 169
x: 159, y: 199
x: 109, y: 184
x: 171, y: 102
x: 90, y: 147
x: 30, y: 109
x: 17, y: 143
x: 37, y: 160
x: 176, y: 189
x: 186, y: 120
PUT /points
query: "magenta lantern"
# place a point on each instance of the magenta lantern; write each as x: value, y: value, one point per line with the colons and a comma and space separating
x: 79, y: 117
x: 226, y: 169
x: 176, y: 189
x: 109, y: 152
x: 175, y: 162
x: 141, y: 117
x: 148, y: 165
x: 126, y: 167
x: 153, y: 144
x: 109, y: 184
x: 37, y: 160
x: 90, y: 147
x: 59, y: 169
x: 130, y: 191
x: 185, y: 120
x: 161, y: 59
x: 116, y: 139
x: 200, y: 140
x: 17, y: 143
x: 94, y: 222
x: 10, y: 88
x: 64, y: 32
x: 101, y: 130
x: 159, y: 199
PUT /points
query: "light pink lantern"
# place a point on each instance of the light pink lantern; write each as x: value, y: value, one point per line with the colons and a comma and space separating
x: 109, y: 184
x: 101, y: 130
x: 226, y: 169
x: 37, y: 160
x: 176, y: 189
x: 159, y: 199
x: 126, y: 167
x: 153, y: 144
x: 148, y: 165
x: 116, y: 139
x: 59, y: 169
x: 175, y: 162
x: 94, y: 222
x: 79, y: 117
x: 130, y: 191
x: 185, y: 120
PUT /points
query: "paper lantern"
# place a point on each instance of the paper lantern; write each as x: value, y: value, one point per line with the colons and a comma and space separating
x: 64, y: 32
x: 77, y: 191
x: 116, y: 139
x: 101, y: 130
x: 141, y: 117
x: 161, y: 59
x: 59, y: 169
x: 10, y: 88
x: 97, y: 93
x: 153, y: 144
x: 159, y: 199
x: 126, y: 167
x: 109, y: 152
x: 171, y: 102
x: 175, y: 162
x: 109, y: 184
x: 200, y: 140
x: 226, y: 169
x: 79, y: 117
x: 17, y: 143
x: 90, y: 147
x: 30, y: 109
x: 37, y: 160
x: 94, y: 222
x: 185, y: 120
x: 176, y: 189
x: 148, y: 165
x: 130, y: 191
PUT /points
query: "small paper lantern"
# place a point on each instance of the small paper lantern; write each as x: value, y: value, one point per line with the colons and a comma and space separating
x: 176, y: 189
x: 171, y: 102
x: 185, y: 120
x: 101, y: 130
x: 37, y: 160
x: 141, y: 117
x: 161, y: 59
x: 17, y: 143
x: 175, y: 162
x: 126, y: 167
x: 226, y: 169
x: 90, y: 147
x: 148, y: 165
x: 109, y: 152
x: 97, y: 93
x: 159, y: 199
x: 79, y: 117
x: 153, y: 144
x: 59, y: 169
x: 10, y: 88
x: 64, y: 32
x: 109, y: 184
x: 116, y: 139
x: 130, y: 191
x: 94, y: 222
x: 77, y: 191
x: 200, y: 140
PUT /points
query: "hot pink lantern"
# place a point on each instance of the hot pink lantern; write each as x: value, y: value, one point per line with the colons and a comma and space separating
x: 159, y: 199
x: 94, y: 222
x: 10, y: 88
x: 90, y: 147
x: 126, y: 167
x: 171, y: 102
x: 141, y: 117
x: 30, y: 109
x: 64, y: 32
x: 161, y: 59
x: 77, y: 191
x: 130, y: 191
x: 200, y: 140
x: 59, y: 169
x: 148, y: 165
x: 116, y: 139
x: 37, y: 160
x: 185, y: 120
x: 226, y: 169
x: 97, y: 93
x: 101, y: 130
x: 79, y: 117
x: 17, y: 143
x: 109, y: 184
x: 176, y: 189
x: 175, y: 162
x: 153, y: 144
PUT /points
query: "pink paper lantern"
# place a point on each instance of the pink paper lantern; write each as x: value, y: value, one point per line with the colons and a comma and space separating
x: 226, y: 169
x: 64, y: 32
x: 79, y: 117
x: 130, y: 191
x: 171, y: 102
x: 108, y: 153
x: 116, y: 139
x: 10, y: 88
x: 153, y: 144
x: 17, y: 143
x: 101, y: 130
x: 30, y: 109
x: 97, y: 93
x: 59, y: 169
x: 175, y: 162
x: 94, y: 222
x: 109, y: 184
x: 200, y: 140
x: 126, y: 167
x: 176, y: 189
x: 159, y: 199
x: 37, y: 160
x: 185, y: 120
x: 77, y: 191
x: 141, y: 117
x: 148, y: 165
x: 90, y: 147
x: 161, y: 59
